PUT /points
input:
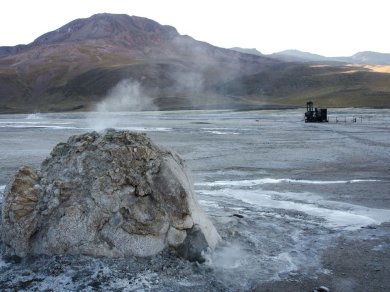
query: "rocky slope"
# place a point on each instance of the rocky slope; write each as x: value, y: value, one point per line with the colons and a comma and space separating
x: 363, y: 58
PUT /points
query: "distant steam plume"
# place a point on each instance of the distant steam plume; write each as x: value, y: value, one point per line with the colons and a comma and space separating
x: 127, y: 95
x: 189, y: 82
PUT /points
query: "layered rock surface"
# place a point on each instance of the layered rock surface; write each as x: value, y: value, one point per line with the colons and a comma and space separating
x: 111, y: 194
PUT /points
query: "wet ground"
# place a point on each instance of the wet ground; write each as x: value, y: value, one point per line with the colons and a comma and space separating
x: 298, y: 205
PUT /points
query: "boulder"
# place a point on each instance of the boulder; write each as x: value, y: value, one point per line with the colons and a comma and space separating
x: 110, y: 194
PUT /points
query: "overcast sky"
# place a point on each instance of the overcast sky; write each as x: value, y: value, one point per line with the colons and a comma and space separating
x: 326, y: 27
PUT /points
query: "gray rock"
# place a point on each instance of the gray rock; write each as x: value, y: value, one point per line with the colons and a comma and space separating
x: 114, y: 194
x: 194, y: 245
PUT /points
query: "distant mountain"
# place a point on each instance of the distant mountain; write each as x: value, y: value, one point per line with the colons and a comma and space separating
x: 298, y: 56
x: 371, y: 58
x: 366, y: 58
x: 75, y: 66
x: 247, y: 51
x: 81, y: 63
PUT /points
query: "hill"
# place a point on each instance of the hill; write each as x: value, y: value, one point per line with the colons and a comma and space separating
x: 80, y: 64
x: 252, y: 51
x: 371, y: 58
x: 298, y: 56
x: 326, y: 85
x: 76, y: 65
x: 362, y: 58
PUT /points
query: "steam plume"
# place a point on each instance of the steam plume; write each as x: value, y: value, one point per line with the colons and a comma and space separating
x: 127, y: 95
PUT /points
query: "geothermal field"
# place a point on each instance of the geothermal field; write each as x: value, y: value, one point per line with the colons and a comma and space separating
x: 298, y: 205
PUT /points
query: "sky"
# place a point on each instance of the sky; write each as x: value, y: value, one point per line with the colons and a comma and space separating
x: 326, y: 27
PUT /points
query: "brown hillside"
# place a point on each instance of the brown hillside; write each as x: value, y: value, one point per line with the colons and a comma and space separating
x: 75, y: 66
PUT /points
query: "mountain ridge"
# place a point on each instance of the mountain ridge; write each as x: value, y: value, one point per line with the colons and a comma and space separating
x: 77, y: 65
x: 364, y: 57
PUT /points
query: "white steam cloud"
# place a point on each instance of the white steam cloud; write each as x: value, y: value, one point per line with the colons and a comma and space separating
x: 230, y: 256
x: 188, y: 82
x: 127, y: 95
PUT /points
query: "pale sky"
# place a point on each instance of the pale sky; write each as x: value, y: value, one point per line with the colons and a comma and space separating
x: 326, y: 27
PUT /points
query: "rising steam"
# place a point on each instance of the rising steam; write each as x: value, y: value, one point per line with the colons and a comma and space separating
x: 229, y: 256
x: 127, y: 95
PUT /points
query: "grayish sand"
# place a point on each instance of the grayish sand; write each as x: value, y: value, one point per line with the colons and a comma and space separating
x: 299, y: 205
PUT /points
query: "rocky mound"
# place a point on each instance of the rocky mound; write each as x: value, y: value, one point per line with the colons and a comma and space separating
x: 114, y: 194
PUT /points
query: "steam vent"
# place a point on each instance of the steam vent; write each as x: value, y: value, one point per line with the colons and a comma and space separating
x: 111, y: 194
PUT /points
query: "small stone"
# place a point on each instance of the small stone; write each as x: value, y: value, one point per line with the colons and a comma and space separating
x: 176, y: 237
x: 194, y: 245
x: 321, y: 289
x: 238, y: 216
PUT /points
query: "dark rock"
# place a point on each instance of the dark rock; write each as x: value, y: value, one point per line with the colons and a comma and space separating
x: 238, y: 216
x: 194, y: 245
x: 321, y: 289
